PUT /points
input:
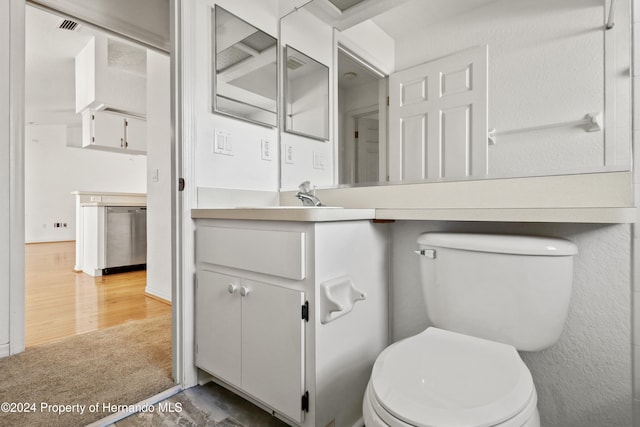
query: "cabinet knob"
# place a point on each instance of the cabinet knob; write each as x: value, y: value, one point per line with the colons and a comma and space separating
x: 232, y: 288
x: 244, y: 291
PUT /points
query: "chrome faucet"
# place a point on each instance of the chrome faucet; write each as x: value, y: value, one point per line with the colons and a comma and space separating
x: 307, y: 196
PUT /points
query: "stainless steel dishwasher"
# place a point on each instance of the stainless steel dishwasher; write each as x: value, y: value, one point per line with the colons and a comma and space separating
x: 126, y: 239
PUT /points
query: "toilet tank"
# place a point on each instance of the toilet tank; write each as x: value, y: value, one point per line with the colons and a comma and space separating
x: 510, y: 289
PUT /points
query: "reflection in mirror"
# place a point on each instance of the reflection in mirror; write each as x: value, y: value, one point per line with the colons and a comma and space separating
x: 306, y: 95
x: 246, y: 71
x: 361, y: 138
x: 551, y: 89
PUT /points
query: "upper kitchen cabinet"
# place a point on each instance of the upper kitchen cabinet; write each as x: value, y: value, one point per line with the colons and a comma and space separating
x: 109, y: 131
x: 111, y: 75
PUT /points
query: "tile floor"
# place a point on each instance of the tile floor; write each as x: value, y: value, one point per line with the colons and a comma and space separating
x: 203, y: 406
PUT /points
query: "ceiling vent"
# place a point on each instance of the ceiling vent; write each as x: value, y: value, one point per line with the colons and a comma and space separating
x: 69, y: 25
x: 293, y: 63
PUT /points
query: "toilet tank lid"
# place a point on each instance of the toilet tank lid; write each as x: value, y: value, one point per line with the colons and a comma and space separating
x: 499, y: 243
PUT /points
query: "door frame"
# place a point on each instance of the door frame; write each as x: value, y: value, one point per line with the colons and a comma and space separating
x: 350, y: 146
x: 181, y: 365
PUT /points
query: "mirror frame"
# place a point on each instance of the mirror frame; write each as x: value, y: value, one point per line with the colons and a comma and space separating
x: 285, y: 100
x: 214, y: 75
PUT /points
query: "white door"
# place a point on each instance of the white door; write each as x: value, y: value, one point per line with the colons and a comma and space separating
x: 108, y: 130
x: 438, y: 118
x: 273, y: 346
x: 218, y: 325
x: 368, y: 152
x: 136, y: 135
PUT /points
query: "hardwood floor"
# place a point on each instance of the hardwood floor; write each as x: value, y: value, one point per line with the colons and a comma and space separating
x: 61, y: 303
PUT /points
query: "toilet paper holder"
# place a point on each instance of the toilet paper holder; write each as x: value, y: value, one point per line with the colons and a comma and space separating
x: 337, y: 298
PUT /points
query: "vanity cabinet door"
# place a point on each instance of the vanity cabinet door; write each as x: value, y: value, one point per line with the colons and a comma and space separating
x: 273, y: 346
x: 218, y: 325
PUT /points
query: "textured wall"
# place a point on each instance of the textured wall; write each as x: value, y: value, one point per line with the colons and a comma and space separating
x: 585, y: 378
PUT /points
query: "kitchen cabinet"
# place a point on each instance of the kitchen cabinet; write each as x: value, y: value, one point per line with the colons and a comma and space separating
x: 263, y: 328
x: 110, y: 131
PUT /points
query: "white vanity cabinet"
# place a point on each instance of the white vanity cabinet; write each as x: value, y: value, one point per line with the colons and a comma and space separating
x: 263, y: 328
x: 251, y: 335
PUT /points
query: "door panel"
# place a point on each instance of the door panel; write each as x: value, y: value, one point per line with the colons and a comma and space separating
x: 414, y: 146
x: 456, y: 137
x: 136, y: 134
x: 273, y: 346
x: 368, y: 150
x: 218, y: 326
x: 108, y: 129
x: 438, y: 118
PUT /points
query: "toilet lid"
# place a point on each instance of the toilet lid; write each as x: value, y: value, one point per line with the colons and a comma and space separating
x: 440, y: 378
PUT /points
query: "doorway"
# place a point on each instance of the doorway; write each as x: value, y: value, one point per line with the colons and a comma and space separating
x: 56, y: 163
x: 361, y: 138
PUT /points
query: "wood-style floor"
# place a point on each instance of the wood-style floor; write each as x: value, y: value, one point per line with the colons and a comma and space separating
x: 61, y: 303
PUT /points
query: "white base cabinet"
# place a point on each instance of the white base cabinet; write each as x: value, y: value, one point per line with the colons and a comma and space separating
x: 262, y: 324
x: 251, y: 335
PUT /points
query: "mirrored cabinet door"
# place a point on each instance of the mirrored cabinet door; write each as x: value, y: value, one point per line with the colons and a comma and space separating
x: 245, y: 81
x: 306, y: 95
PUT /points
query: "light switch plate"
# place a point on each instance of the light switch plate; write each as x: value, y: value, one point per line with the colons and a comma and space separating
x: 222, y: 142
x: 288, y: 154
x: 266, y: 149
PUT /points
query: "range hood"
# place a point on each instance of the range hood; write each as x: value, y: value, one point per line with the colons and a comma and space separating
x: 111, y: 74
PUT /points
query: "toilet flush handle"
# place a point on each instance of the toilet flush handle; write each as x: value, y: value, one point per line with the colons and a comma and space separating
x: 429, y: 253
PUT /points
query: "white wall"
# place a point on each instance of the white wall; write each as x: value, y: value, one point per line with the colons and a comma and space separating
x: 159, y: 182
x: 585, y: 378
x: 307, y: 34
x: 244, y: 169
x: 53, y: 171
x: 546, y: 65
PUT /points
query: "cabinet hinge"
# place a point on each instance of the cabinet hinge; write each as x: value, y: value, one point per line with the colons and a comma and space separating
x: 356, y: 134
x: 180, y: 184
x: 305, y: 311
x: 305, y: 401
x: 387, y: 101
x: 93, y: 139
x: 93, y: 117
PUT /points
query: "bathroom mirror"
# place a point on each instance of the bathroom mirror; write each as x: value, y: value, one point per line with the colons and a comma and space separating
x: 306, y: 95
x: 245, y: 81
x: 557, y: 87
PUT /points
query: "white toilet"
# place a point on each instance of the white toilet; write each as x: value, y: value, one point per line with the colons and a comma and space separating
x: 488, y: 296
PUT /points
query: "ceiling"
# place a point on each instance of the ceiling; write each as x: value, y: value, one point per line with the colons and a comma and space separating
x: 402, y: 21
x: 50, y: 68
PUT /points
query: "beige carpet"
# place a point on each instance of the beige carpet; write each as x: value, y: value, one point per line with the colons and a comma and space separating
x: 118, y: 366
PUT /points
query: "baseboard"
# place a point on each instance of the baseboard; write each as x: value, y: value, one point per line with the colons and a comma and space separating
x: 4, y: 350
x: 152, y: 293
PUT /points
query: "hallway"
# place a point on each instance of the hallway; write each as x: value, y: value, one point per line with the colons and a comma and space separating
x: 61, y: 303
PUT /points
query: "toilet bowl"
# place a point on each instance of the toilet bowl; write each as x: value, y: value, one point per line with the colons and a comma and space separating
x: 440, y: 378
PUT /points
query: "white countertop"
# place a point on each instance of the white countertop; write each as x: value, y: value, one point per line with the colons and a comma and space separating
x: 101, y: 198
x: 286, y: 213
x: 322, y: 214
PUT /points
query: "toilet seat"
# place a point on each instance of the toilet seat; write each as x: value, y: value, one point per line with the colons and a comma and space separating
x: 440, y: 378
